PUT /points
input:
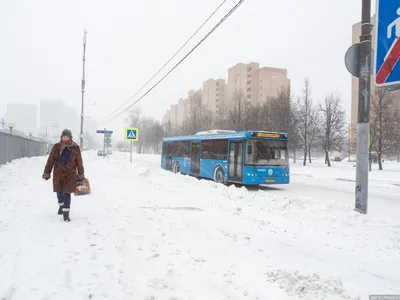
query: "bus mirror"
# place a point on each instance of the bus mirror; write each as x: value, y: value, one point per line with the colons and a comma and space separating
x: 249, y: 149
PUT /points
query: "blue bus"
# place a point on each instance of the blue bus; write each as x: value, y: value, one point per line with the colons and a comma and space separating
x: 246, y: 157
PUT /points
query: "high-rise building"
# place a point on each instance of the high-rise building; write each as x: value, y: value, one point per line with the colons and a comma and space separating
x: 55, y: 117
x: 51, y: 114
x: 24, y: 116
x: 356, y: 32
x: 242, y: 78
x: 271, y: 81
x: 256, y: 84
x: 183, y: 110
x: 213, y: 95
x: 174, y: 114
x: 167, y: 117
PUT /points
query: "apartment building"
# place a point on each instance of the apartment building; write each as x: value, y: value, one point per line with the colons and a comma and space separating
x: 214, y: 95
x: 255, y: 84
x: 183, y: 110
x: 243, y: 78
x: 270, y: 82
x: 356, y: 32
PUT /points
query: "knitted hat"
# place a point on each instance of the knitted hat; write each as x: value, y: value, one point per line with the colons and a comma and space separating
x: 66, y: 132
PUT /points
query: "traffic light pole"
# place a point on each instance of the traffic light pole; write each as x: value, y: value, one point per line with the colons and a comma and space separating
x: 364, y: 95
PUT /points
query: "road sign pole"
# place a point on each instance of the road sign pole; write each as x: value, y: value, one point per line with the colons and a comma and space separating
x: 131, y: 150
x: 104, y: 143
x: 364, y: 96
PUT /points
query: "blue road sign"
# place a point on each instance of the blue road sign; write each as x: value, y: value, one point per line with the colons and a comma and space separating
x: 105, y: 131
x: 387, y: 33
x: 131, y: 134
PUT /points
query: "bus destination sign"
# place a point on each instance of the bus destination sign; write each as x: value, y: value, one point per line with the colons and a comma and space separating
x: 269, y: 135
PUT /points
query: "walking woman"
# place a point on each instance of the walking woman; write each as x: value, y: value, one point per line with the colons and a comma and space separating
x: 66, y: 158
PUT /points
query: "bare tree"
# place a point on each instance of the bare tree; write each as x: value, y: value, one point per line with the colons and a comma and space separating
x: 315, y: 131
x: 133, y: 120
x: 280, y: 108
x: 254, y: 119
x: 294, y: 133
x: 168, y: 128
x: 199, y: 118
x: 150, y: 131
x: 385, y: 122
x: 307, y: 121
x: 134, y: 117
x: 284, y: 117
x: 333, y: 129
x: 237, y: 111
x: 157, y: 134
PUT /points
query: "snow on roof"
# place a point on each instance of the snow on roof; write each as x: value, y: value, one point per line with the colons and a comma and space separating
x: 214, y: 131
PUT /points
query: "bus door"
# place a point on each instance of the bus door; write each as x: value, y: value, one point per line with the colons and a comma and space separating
x: 195, y: 159
x: 168, y: 157
x: 235, y: 161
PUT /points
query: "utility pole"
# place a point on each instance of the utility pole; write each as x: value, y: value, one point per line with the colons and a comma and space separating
x: 364, y: 96
x: 83, y: 87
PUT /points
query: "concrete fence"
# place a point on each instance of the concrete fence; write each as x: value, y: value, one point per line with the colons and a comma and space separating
x: 14, y: 147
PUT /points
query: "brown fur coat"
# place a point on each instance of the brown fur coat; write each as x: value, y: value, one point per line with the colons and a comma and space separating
x: 68, y: 167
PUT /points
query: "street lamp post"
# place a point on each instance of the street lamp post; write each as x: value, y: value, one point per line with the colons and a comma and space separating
x: 11, y: 125
x: 83, y: 87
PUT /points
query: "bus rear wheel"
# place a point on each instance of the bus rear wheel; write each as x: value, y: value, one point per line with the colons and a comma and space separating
x: 177, y: 168
x: 219, y: 175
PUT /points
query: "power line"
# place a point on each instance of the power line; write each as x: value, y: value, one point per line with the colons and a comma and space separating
x: 172, y: 57
x: 171, y: 70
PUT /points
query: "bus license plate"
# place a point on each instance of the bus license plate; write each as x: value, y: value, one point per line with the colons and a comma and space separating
x: 270, y: 180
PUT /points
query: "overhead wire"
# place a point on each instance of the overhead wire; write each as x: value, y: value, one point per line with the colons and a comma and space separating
x: 107, y: 120
x: 169, y: 60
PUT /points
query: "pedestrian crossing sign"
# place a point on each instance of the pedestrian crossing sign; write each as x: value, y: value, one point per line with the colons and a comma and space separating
x: 387, y: 41
x: 131, y: 134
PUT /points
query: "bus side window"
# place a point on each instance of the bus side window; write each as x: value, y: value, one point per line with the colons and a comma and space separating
x: 186, y: 149
x: 164, y: 148
x: 169, y: 150
x: 177, y: 149
x: 207, y: 149
x: 249, y: 149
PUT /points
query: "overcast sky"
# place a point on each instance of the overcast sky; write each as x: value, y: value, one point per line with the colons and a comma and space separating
x: 128, y: 41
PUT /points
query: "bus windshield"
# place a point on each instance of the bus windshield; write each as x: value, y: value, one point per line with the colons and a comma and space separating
x: 267, y: 153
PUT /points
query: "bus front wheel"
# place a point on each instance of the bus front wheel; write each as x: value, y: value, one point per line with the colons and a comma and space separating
x: 177, y: 168
x: 219, y: 175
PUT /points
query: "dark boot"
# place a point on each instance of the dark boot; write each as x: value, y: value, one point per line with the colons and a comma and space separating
x: 66, y: 216
x: 60, y: 212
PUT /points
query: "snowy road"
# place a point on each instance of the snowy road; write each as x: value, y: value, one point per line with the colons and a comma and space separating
x: 148, y: 234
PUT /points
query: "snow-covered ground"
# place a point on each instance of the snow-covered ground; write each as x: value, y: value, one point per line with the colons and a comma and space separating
x: 145, y: 233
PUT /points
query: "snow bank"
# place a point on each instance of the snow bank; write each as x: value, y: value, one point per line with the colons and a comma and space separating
x: 346, y: 171
x: 145, y: 233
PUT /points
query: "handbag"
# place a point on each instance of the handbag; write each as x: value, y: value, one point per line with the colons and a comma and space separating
x: 82, y: 187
